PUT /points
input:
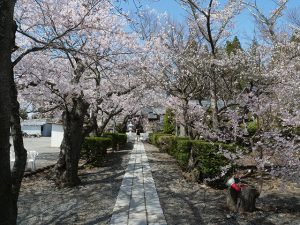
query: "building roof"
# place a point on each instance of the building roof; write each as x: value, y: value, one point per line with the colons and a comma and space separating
x: 34, y: 122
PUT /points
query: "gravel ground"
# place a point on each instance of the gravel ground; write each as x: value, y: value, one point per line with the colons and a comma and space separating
x: 183, y: 202
x: 47, y: 155
x: 192, y: 203
x: 92, y: 202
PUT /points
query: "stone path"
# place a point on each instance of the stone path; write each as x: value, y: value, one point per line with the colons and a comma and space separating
x: 138, y: 202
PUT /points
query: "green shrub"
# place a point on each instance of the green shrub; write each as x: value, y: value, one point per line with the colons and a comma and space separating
x: 166, y: 143
x: 94, y: 149
x: 118, y: 140
x: 297, y: 131
x: 122, y: 140
x: 183, y: 145
x: 208, y: 160
x: 252, y: 127
x: 182, y: 151
x: 182, y: 138
x: 153, y: 138
x: 179, y: 147
x: 114, y: 139
x: 182, y: 159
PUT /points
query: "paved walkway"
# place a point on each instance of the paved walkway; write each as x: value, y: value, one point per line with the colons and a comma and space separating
x: 138, y: 202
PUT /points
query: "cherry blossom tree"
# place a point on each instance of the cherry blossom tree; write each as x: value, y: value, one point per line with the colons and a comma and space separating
x: 184, y: 73
x: 212, y: 21
x: 254, y: 86
x: 87, y: 48
x: 276, y: 109
x: 83, y: 62
x: 266, y: 117
x: 180, y: 75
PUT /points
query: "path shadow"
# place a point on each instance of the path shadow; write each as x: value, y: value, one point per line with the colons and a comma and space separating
x: 280, y: 203
x: 90, y: 203
x: 114, y: 161
x: 177, y: 205
x: 111, y: 179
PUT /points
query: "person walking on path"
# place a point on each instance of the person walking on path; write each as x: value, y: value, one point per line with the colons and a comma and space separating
x: 138, y: 134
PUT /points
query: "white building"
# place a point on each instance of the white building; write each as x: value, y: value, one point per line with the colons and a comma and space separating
x: 39, y: 127
x: 57, y: 135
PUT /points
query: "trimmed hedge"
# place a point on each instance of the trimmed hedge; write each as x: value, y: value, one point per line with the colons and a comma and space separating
x: 94, y: 149
x: 182, y: 152
x: 122, y: 140
x: 153, y: 138
x: 173, y: 145
x: 168, y: 143
x: 118, y: 140
x: 208, y: 160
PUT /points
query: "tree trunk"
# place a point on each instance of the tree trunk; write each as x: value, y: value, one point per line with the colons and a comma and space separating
x: 184, y: 127
x: 243, y: 200
x: 213, y: 106
x: 20, y: 151
x: 95, y: 127
x: 123, y: 126
x: 6, y: 36
x: 103, y: 126
x: 67, y: 164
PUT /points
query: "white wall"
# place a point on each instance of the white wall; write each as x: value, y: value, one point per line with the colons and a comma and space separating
x: 47, y: 130
x: 57, y: 135
x: 31, y: 129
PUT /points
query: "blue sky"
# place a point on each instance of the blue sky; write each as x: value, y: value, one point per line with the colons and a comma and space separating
x: 244, y: 23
